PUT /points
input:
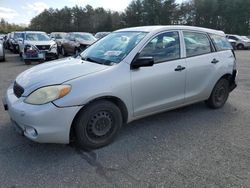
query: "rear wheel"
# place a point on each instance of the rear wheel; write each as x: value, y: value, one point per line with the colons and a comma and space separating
x: 219, y: 94
x: 97, y: 125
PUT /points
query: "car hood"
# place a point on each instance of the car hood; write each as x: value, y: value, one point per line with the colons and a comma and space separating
x: 56, y: 72
x: 50, y: 42
x: 86, y: 42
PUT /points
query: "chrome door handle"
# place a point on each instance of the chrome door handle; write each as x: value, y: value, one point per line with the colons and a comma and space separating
x: 179, y: 68
x: 215, y: 61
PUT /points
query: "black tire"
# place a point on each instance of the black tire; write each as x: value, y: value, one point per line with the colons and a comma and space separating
x: 64, y: 53
x: 41, y: 61
x: 27, y: 62
x: 97, y: 125
x: 240, y: 47
x: 219, y: 94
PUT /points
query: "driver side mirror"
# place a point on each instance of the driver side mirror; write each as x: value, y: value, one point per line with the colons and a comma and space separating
x: 142, y: 62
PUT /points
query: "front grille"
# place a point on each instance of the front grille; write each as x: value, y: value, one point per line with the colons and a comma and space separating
x: 18, y: 90
x: 43, y: 47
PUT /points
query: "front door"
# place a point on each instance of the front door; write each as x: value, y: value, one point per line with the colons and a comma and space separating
x: 161, y: 86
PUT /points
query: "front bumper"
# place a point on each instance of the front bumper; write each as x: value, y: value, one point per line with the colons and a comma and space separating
x: 41, y: 54
x: 40, y: 123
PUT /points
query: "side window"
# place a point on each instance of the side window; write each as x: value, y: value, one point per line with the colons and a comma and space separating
x: 67, y: 37
x: 220, y: 42
x: 164, y: 47
x: 196, y: 43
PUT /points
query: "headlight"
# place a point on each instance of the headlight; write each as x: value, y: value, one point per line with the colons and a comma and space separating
x: 48, y: 94
x: 53, y: 46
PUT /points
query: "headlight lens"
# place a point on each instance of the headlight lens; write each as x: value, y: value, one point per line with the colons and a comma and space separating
x: 48, y: 94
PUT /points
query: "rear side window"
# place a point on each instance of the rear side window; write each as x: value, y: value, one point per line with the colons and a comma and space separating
x: 196, y: 43
x: 220, y: 42
x: 164, y: 47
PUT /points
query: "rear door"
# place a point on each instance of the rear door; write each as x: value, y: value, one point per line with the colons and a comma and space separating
x: 201, y: 59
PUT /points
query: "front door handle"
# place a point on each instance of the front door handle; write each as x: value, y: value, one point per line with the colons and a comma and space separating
x: 179, y: 68
x: 215, y: 61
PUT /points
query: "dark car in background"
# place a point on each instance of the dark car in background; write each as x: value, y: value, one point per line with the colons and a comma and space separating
x: 100, y: 35
x: 58, y: 37
x: 76, y: 42
x: 14, y: 41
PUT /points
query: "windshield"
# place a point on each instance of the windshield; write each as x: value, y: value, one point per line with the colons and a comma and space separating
x: 18, y: 35
x: 244, y: 38
x: 85, y: 36
x: 59, y: 35
x: 113, y: 48
x: 37, y: 37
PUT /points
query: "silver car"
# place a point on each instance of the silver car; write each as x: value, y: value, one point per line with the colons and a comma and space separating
x: 242, y: 42
x: 130, y: 74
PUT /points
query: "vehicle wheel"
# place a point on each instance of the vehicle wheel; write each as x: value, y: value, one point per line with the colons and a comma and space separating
x: 27, y: 62
x: 219, y: 94
x: 41, y: 61
x: 97, y: 125
x: 64, y: 53
x: 240, y: 47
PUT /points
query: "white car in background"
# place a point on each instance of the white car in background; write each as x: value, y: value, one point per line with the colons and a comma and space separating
x: 241, y: 41
x: 37, y: 45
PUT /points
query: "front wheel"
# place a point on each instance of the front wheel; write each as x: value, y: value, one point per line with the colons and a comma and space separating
x: 97, y: 125
x: 64, y: 53
x: 219, y: 94
x: 240, y: 47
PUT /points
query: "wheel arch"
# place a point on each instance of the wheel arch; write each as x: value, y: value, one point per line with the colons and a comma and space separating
x: 117, y: 101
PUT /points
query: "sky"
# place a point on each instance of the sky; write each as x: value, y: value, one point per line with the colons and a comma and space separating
x: 22, y: 11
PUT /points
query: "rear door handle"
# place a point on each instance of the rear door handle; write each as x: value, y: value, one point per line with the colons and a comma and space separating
x: 215, y: 61
x: 179, y: 68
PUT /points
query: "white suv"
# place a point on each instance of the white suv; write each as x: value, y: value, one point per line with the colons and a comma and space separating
x: 37, y: 45
x: 129, y: 74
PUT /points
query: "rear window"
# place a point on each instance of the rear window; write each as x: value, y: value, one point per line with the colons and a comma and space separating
x: 220, y: 42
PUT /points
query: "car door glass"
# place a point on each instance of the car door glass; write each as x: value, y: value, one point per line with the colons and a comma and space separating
x: 196, y: 43
x: 164, y: 47
x: 220, y: 42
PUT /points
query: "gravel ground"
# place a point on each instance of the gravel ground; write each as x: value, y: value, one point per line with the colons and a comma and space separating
x: 188, y: 147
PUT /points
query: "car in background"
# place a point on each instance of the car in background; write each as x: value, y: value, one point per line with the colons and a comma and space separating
x: 2, y: 49
x: 76, y: 42
x: 37, y: 45
x: 100, y: 35
x: 15, y: 38
x: 130, y: 74
x: 241, y: 42
x: 58, y: 37
x: 7, y: 40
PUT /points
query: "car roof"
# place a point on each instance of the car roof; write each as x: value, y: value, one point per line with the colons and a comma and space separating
x: 159, y: 28
x: 34, y: 32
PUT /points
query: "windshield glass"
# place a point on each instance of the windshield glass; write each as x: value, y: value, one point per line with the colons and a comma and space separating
x: 244, y: 38
x: 60, y: 35
x: 84, y: 36
x: 37, y: 37
x: 18, y: 35
x: 113, y: 48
